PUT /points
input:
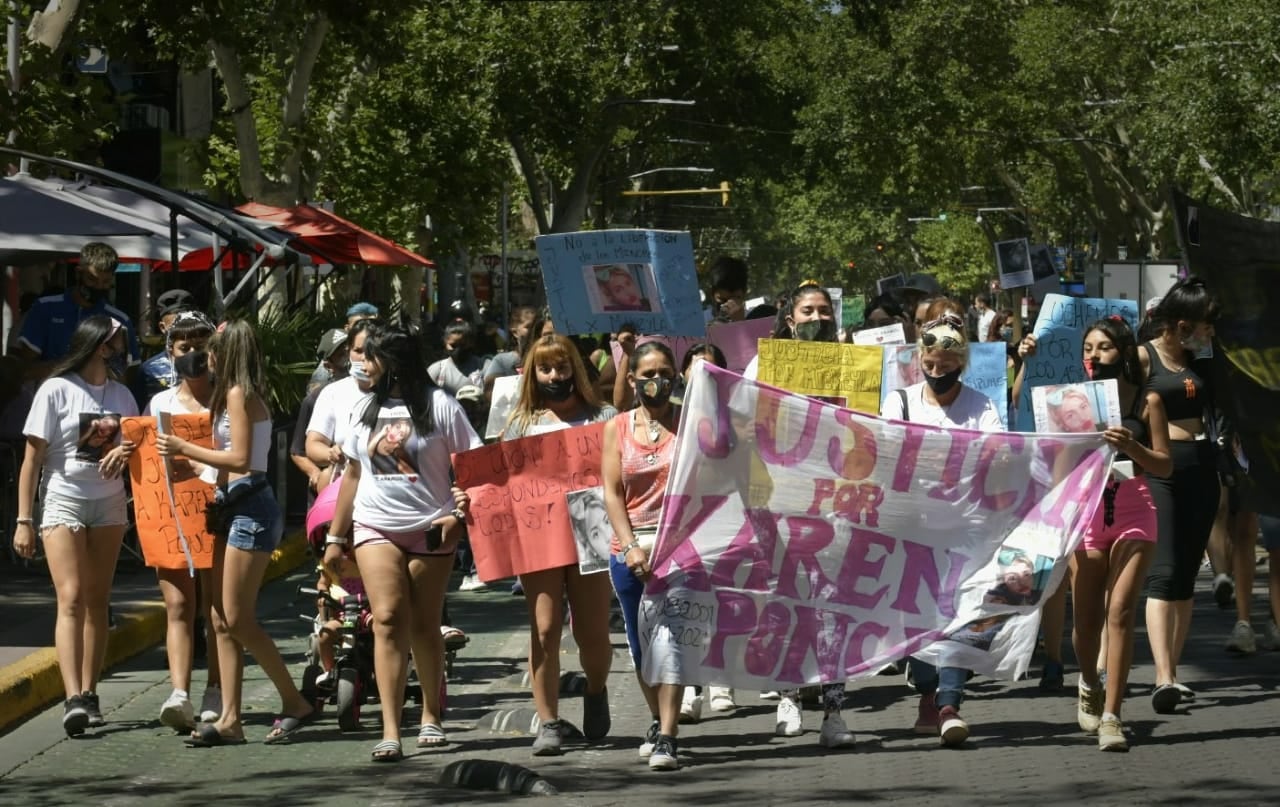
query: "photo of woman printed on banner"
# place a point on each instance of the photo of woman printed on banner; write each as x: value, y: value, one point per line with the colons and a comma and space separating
x: 1021, y: 581
x: 621, y: 287
x: 1013, y: 259
x: 99, y: 432
x: 1089, y: 406
x: 390, y: 448
x: 591, y: 529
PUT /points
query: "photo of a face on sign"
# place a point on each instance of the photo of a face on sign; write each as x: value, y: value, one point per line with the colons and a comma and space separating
x: 98, y: 434
x: 621, y: 287
x: 391, y: 448
x: 1076, y: 408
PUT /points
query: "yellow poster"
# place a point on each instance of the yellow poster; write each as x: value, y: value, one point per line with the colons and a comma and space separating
x: 848, y: 375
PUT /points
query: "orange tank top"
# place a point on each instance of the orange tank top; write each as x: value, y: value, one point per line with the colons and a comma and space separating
x: 644, y: 474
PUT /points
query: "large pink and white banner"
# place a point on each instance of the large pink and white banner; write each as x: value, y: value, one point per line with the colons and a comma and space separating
x: 801, y: 543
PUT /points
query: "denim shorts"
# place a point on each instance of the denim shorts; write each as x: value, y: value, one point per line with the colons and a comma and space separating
x: 256, y: 523
x: 1270, y: 526
x: 77, y: 514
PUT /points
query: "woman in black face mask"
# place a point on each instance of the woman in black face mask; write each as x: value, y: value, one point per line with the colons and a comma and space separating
x: 810, y: 317
x: 185, y: 341
x: 942, y: 400
x: 555, y: 394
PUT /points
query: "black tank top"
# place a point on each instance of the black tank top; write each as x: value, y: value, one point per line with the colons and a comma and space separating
x: 1182, y: 393
x: 1133, y: 421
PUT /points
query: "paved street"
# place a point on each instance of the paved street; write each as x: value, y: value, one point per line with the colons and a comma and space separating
x: 1025, y: 747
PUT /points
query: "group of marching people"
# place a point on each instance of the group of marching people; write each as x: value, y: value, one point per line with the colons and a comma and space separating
x: 379, y: 437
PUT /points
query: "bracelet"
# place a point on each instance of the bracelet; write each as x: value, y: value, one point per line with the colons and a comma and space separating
x: 335, y: 539
x: 458, y: 514
x: 31, y: 522
x: 630, y: 547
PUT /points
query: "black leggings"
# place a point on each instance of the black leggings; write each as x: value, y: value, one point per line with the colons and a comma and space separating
x: 1186, y: 504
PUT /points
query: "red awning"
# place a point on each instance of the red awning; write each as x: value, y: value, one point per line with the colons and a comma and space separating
x: 331, y: 238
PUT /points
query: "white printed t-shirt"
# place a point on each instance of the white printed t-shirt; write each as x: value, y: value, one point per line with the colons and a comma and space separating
x: 338, y: 405
x: 970, y: 410
x: 405, y: 477
x: 81, y: 423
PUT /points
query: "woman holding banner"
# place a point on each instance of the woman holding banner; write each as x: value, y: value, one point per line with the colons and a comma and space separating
x: 403, y: 524
x: 556, y: 393
x: 249, y: 526
x: 185, y: 342
x: 639, y: 445
x: 84, y: 504
x: 942, y: 400
x: 808, y: 314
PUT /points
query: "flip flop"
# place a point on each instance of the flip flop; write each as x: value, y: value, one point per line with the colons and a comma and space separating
x: 284, y: 728
x: 387, y: 751
x: 451, y: 634
x: 430, y: 735
x: 207, y: 736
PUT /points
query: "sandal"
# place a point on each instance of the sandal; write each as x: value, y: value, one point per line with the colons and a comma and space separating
x: 452, y: 634
x: 284, y: 728
x: 430, y: 735
x: 206, y: 735
x: 387, y: 751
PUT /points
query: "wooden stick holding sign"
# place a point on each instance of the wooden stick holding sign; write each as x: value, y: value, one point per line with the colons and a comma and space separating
x: 169, y: 498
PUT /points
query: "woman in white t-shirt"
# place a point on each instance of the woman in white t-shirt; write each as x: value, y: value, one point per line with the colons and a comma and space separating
x: 942, y: 400
x: 249, y: 528
x: 73, y: 433
x: 396, y: 501
x: 555, y: 393
x: 185, y: 342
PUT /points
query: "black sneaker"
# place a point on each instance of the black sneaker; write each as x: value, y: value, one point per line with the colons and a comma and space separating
x: 75, y: 717
x: 595, y: 715
x: 664, y: 757
x: 94, y: 708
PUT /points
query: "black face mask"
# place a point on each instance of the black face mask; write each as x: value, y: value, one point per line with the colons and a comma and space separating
x: 1097, y: 371
x: 942, y: 384
x: 653, y: 391
x: 460, y: 354
x: 815, y: 330
x: 556, y: 390
x: 192, y: 365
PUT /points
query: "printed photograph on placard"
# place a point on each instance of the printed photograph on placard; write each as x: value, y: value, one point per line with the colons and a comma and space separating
x: 591, y: 528
x: 1042, y: 266
x: 885, y: 284
x: 1090, y: 406
x: 98, y: 434
x: 621, y: 287
x: 1022, y: 580
x: 1013, y: 259
x: 390, y: 449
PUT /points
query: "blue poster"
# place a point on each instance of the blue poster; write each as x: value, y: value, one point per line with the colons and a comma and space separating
x: 986, y: 372
x: 599, y: 280
x: 1059, y: 333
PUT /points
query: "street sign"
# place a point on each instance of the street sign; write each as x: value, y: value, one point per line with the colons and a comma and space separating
x: 92, y: 59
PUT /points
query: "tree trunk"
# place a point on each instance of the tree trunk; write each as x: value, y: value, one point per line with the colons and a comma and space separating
x: 48, y: 27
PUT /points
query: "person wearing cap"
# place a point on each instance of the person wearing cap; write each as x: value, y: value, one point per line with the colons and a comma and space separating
x: 334, y: 358
x: 47, y: 328
x: 156, y: 373
x: 357, y: 312
x: 942, y: 400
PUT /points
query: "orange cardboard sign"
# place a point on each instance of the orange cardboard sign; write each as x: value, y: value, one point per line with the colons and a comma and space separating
x: 518, y: 521
x: 154, y: 515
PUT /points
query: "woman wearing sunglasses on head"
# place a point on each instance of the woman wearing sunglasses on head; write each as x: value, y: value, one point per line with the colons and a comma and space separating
x: 942, y: 400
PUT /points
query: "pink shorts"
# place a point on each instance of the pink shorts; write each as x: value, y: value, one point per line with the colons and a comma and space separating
x: 413, y: 542
x: 1133, y: 517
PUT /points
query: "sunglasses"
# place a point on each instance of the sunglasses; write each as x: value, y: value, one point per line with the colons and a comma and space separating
x: 944, y: 342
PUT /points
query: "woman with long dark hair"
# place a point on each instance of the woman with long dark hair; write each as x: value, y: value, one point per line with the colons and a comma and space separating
x: 249, y: 526
x: 1187, y: 500
x: 556, y: 393
x: 84, y: 516
x: 403, y: 523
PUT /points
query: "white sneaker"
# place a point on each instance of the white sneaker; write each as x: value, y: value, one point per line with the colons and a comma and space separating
x: 1270, y: 638
x: 770, y: 695
x: 211, y: 704
x: 1242, y: 639
x: 472, y: 582
x: 177, y: 712
x: 722, y: 699
x: 650, y: 739
x: 834, y: 733
x: 691, y: 706
x: 789, y: 718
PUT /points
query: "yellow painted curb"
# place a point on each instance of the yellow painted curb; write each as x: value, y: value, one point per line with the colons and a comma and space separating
x: 29, y: 685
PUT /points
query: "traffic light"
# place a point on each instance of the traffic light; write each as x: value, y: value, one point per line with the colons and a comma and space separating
x: 724, y: 193
x: 850, y: 265
x: 880, y: 247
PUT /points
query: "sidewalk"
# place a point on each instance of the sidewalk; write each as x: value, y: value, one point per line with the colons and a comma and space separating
x: 29, y: 677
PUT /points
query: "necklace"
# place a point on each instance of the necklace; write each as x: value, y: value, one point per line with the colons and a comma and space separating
x: 654, y: 431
